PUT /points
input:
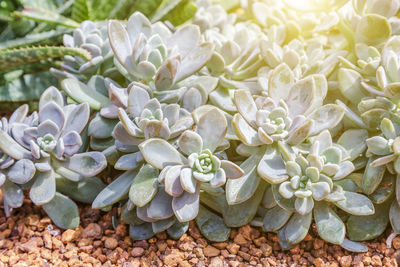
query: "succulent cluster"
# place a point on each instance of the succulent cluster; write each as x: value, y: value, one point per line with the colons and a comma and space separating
x: 276, y: 114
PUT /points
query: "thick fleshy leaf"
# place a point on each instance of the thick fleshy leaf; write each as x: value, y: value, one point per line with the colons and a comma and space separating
x: 161, y: 206
x: 121, y: 45
x: 219, y: 179
x: 394, y: 215
x: 100, y: 127
x: 21, y: 171
x: 86, y: 164
x: 350, y: 85
x: 137, y: 99
x: 356, y: 204
x: 63, y: 212
x: 141, y: 231
x: 44, y: 188
x: 144, y: 186
x: 242, y: 213
x: 280, y: 81
x: 301, y: 97
x: 284, y: 203
x: 85, y: 191
x: 361, y: 228
x: 232, y: 170
x: 385, y: 189
x: 172, y: 181
x: 304, y: 205
x: 190, y: 142
x: 186, y: 206
x: 372, y: 177
x: 345, y: 168
x: 52, y: 112
x: 268, y: 200
x: 77, y: 118
x: 129, y: 216
x: 187, y: 180
x: 162, y: 225
x: 348, y: 139
x: 72, y: 143
x: 353, y: 246
x: 330, y: 227
x: 246, y: 134
x: 166, y: 74
x: 12, y: 194
x: 212, y: 226
x: 129, y: 161
x: 81, y: 93
x: 372, y: 29
x: 271, y: 167
x: 12, y: 148
x: 159, y: 153
x: 275, y: 219
x: 241, y: 189
x: 297, y: 227
x: 246, y: 106
x: 115, y: 191
x: 326, y: 117
x: 178, y: 229
x: 212, y: 128
x: 51, y: 94
x: 195, y: 60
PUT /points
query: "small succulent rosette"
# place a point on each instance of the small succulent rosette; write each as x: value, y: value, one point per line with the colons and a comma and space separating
x: 308, y: 184
x: 153, y: 54
x: 292, y: 113
x: 53, y: 142
x: 92, y: 37
x: 384, y: 149
x: 16, y: 166
x: 183, y: 175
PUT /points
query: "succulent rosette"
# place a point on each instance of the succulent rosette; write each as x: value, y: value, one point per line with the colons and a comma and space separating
x: 183, y: 176
x: 292, y: 113
x: 314, y: 179
x: 16, y: 167
x: 92, y: 37
x: 159, y: 58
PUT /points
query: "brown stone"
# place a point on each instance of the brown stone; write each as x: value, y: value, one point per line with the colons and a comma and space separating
x: 173, y: 258
x: 211, y: 251
x: 70, y: 235
x: 318, y: 243
x: 376, y: 261
x: 240, y: 240
x: 346, y: 261
x: 137, y: 252
x: 318, y: 262
x: 396, y: 242
x: 266, y: 249
x: 93, y: 230
x: 216, y: 262
x: 111, y: 243
x: 244, y: 255
x: 233, y: 248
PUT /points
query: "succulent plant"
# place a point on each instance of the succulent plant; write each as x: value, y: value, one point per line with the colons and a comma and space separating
x: 265, y: 112
x: 310, y: 181
x: 153, y: 54
x: 16, y: 168
x: 93, y: 38
x: 183, y: 176
x: 46, y: 146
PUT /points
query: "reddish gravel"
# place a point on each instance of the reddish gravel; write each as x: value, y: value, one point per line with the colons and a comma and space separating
x: 28, y: 238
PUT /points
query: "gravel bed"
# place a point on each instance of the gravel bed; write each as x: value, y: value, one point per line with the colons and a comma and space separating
x: 28, y: 238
